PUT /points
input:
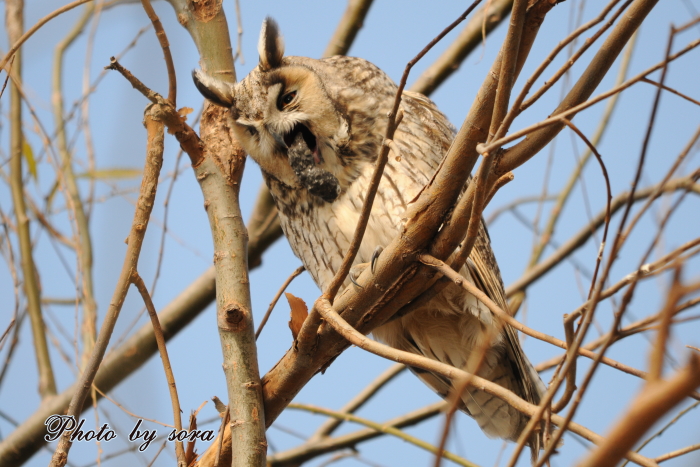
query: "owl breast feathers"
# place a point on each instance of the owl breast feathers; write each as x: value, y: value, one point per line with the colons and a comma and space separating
x: 315, y: 127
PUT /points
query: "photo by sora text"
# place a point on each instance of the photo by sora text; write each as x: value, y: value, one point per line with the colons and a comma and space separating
x: 56, y: 425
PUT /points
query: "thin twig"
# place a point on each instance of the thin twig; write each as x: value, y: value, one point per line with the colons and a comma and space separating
x: 328, y: 427
x: 133, y: 80
x: 616, y: 246
x: 664, y: 428
x: 14, y: 18
x: 167, y: 367
x: 239, y: 31
x: 520, y: 106
x: 384, y: 429
x: 608, y: 199
x: 508, y: 319
x: 127, y: 411
x: 7, y: 331
x: 485, y: 20
x: 83, y: 242
x: 122, y: 361
x: 671, y: 90
x: 657, y: 398
x: 306, y: 452
x: 677, y: 453
x: 277, y: 296
x: 563, y: 196
x: 452, y: 373
x: 658, y: 352
x: 646, y: 271
x: 580, y: 238
x: 163, y: 40
x: 18, y: 42
x: 660, y: 186
x: 579, y: 107
x: 570, y: 375
x: 154, y: 160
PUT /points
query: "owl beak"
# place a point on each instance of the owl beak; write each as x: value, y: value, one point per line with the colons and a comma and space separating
x: 279, y: 139
x: 309, y: 139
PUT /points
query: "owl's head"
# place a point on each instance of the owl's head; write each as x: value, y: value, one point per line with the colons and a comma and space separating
x: 307, y: 123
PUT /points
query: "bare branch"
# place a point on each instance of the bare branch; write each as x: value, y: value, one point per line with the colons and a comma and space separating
x: 309, y: 451
x: 160, y: 340
x: 154, y: 161
x: 83, y: 243
x: 16, y: 44
x: 384, y: 428
x: 163, y: 40
x: 348, y: 27
x: 219, y: 175
x: 485, y: 20
x: 14, y: 17
x: 452, y: 373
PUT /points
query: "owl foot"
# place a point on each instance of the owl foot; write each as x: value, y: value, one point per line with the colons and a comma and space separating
x: 356, y: 270
x: 375, y: 254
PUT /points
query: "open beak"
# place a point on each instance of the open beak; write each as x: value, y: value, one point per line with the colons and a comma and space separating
x: 309, y: 139
x: 304, y: 159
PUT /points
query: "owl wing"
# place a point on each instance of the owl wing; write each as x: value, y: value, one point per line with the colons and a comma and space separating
x: 484, y: 270
x: 482, y: 264
x: 520, y: 375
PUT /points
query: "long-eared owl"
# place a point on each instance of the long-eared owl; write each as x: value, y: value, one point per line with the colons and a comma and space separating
x: 315, y: 127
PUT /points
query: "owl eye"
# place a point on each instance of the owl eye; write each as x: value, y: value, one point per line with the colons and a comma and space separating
x: 287, y: 99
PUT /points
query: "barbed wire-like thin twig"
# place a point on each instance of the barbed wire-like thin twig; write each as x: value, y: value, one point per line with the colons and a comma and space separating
x: 277, y: 296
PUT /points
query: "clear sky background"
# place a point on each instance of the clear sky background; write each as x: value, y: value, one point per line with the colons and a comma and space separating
x: 393, y: 33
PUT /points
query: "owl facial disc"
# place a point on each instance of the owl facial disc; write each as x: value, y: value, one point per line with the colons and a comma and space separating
x: 303, y: 160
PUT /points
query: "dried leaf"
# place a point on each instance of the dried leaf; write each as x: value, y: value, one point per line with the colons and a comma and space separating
x: 298, y: 313
x: 184, y: 112
x: 28, y: 154
x: 115, y: 172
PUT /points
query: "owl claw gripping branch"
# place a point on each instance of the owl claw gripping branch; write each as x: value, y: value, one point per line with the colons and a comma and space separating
x: 315, y: 127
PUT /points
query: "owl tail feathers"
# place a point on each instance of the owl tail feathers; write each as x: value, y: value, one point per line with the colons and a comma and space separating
x: 537, y: 442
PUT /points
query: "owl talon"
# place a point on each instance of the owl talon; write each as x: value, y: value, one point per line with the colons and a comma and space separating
x: 375, y: 254
x: 355, y: 272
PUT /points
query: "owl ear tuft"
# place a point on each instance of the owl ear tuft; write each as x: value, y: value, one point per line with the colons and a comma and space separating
x: 216, y: 90
x: 270, y: 45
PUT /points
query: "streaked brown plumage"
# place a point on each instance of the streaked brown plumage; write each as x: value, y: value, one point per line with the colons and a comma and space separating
x: 315, y: 128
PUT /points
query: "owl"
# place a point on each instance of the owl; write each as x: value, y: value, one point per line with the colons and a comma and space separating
x: 315, y: 128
